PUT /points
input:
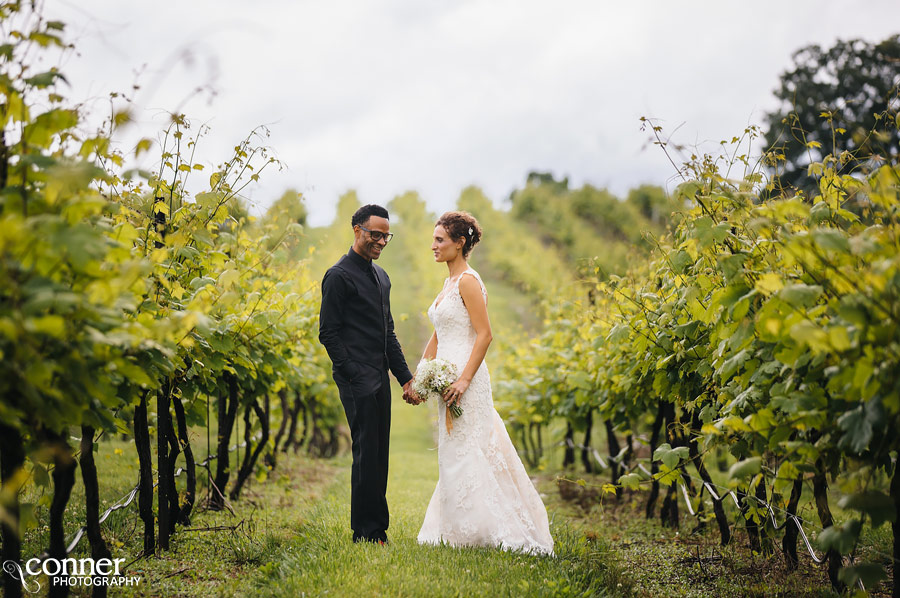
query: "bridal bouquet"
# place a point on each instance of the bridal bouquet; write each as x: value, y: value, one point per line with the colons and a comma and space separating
x: 433, y: 378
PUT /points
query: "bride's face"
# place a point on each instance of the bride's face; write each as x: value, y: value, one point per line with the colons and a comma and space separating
x: 443, y: 247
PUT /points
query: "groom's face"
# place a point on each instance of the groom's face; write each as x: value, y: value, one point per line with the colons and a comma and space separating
x: 364, y: 244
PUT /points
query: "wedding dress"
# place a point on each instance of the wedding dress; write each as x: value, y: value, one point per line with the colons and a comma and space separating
x: 483, y: 495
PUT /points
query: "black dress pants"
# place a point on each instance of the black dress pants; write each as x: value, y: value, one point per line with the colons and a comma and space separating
x: 369, y: 418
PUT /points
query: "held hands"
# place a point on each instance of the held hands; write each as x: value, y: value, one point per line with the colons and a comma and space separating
x: 409, y: 395
x: 455, y: 391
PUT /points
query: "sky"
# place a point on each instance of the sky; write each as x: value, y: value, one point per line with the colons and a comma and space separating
x: 384, y: 97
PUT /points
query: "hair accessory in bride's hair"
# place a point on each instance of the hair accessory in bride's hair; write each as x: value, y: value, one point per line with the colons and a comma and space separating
x: 470, y: 231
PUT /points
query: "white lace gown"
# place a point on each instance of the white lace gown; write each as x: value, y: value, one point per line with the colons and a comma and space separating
x: 483, y: 496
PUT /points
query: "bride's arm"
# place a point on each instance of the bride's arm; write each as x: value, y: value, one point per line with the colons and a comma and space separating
x: 431, y: 347
x: 470, y: 291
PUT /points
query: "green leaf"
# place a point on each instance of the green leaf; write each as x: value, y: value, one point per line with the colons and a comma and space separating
x: 49, y: 124
x: 40, y: 475
x: 733, y: 364
x: 54, y: 326
x: 853, y: 310
x: 687, y: 190
x: 746, y: 468
x: 667, y: 476
x: 839, y: 338
x: 134, y: 373
x: 800, y: 295
x: 831, y: 239
x: 840, y: 537
x: 687, y: 330
x: 720, y: 231
x: 202, y: 235
x: 142, y: 146
x: 228, y: 277
x: 580, y: 379
x: 707, y: 234
x: 740, y: 309
x: 819, y: 213
x: 807, y: 333
x: 787, y: 473
x: 661, y: 450
x: 201, y: 281
x: 680, y: 261
x: 731, y: 294
x: 857, y: 426
x: 702, y: 227
x: 669, y: 456
x: 630, y: 480
x: 732, y: 265
x: 675, y: 456
x: 877, y: 505
x: 45, y: 79
x: 618, y: 333
x: 868, y: 573
x: 27, y: 520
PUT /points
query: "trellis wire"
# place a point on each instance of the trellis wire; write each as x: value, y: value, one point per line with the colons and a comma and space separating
x: 129, y: 498
x: 770, y: 510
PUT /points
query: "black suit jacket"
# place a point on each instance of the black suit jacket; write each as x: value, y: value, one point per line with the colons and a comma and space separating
x: 356, y: 326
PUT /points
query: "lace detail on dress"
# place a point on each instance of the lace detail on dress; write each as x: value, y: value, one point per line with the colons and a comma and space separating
x: 483, y: 495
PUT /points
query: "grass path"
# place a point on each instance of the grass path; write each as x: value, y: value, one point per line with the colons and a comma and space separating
x: 322, y: 560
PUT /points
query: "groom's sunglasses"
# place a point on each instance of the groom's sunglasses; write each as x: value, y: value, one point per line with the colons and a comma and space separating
x: 377, y: 235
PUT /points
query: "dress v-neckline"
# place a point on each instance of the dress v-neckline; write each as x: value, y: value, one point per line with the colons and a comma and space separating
x: 447, y: 288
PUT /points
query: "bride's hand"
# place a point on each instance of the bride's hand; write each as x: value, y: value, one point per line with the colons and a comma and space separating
x: 455, y: 391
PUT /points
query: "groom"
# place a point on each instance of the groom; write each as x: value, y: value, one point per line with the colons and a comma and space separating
x: 357, y: 329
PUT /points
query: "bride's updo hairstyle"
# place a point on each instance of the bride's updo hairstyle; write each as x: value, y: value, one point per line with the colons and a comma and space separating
x: 461, y: 225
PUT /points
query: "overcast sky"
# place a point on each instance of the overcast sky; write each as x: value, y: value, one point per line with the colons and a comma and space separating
x: 389, y: 96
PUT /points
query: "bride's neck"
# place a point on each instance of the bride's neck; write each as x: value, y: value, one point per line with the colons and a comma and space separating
x: 457, y: 266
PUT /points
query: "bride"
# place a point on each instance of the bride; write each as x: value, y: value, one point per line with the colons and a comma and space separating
x: 483, y: 495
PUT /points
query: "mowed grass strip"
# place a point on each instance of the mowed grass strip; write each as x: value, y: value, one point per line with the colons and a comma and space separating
x: 322, y: 559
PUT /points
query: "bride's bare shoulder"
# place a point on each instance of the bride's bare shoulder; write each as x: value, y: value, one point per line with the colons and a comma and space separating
x: 472, y: 287
x: 473, y: 280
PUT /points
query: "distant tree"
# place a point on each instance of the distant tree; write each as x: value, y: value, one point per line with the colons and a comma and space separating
x: 238, y: 214
x: 653, y: 203
x: 348, y: 203
x: 285, y: 212
x: 547, y: 178
x: 288, y: 208
x: 835, y: 101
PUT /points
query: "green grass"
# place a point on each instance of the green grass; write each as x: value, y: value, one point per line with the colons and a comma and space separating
x: 321, y: 558
x: 267, y: 516
x: 292, y: 537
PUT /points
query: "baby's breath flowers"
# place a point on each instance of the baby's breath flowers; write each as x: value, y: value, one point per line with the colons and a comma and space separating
x: 433, y: 378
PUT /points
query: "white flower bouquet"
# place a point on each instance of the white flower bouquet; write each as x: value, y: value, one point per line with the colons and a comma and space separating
x: 433, y: 378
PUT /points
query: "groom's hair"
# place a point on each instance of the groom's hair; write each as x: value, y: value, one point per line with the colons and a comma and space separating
x: 361, y: 216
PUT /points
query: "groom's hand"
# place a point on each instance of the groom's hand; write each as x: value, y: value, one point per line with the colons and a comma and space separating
x: 409, y: 395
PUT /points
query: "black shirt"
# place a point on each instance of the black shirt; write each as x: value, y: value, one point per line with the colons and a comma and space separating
x: 356, y: 326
